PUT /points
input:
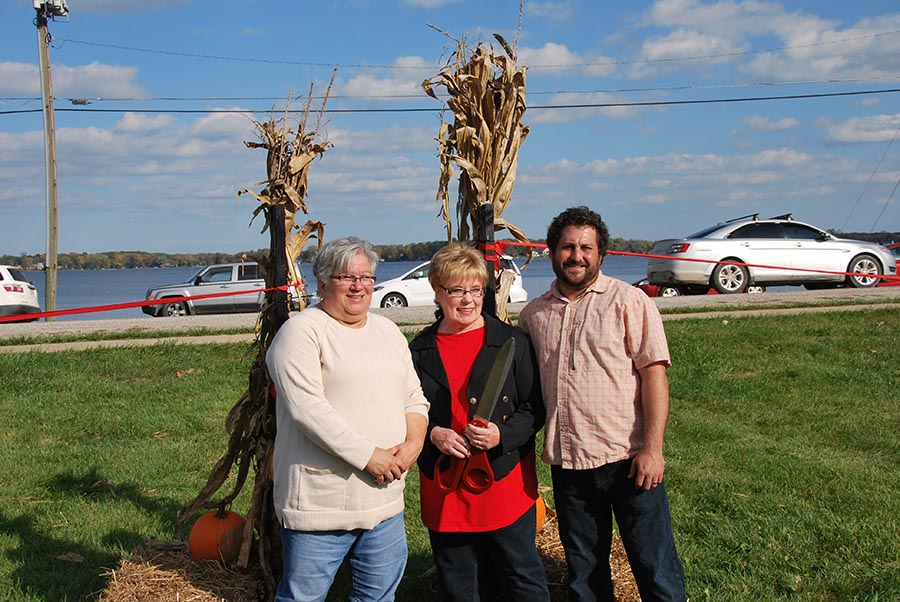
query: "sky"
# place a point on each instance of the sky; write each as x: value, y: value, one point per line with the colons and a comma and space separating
x: 665, y: 117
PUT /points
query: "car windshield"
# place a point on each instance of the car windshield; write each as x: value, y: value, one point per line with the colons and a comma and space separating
x: 194, y: 275
x: 508, y: 264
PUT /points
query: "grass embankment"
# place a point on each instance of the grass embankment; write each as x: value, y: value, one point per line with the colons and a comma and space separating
x: 783, y: 457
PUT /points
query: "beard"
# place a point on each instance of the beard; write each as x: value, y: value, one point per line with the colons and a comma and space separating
x: 576, y: 282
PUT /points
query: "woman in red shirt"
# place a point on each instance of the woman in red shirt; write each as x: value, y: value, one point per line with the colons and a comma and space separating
x: 480, y: 540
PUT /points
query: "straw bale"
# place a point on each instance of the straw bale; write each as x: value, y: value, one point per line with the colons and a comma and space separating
x: 551, y: 550
x: 170, y: 576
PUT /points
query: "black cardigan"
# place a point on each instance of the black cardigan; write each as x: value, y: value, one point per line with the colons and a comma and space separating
x: 519, y: 412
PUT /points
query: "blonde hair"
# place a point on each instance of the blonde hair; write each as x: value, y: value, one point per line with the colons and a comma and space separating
x: 457, y: 261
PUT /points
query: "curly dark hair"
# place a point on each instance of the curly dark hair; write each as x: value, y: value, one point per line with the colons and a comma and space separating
x: 578, y: 216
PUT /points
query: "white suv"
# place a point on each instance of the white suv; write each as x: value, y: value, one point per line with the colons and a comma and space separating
x: 412, y: 288
x: 17, y: 294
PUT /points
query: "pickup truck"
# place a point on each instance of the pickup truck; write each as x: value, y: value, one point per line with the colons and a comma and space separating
x: 241, y: 278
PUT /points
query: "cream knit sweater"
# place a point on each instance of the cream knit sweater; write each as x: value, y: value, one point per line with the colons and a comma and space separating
x: 340, y: 393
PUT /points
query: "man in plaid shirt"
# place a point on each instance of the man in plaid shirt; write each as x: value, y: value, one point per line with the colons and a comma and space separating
x: 603, y: 357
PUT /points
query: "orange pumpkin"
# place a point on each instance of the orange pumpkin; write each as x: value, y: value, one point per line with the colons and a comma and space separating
x: 217, y: 535
x: 541, y: 509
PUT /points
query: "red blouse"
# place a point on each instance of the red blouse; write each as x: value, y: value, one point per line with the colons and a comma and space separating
x: 508, y: 498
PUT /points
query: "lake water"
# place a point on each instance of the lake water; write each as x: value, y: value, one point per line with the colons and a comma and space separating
x: 93, y: 288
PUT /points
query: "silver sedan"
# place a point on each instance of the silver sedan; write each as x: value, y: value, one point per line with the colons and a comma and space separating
x: 751, y: 251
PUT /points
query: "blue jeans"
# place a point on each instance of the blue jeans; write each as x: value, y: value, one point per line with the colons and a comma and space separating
x: 312, y: 559
x: 491, y: 565
x: 586, y: 501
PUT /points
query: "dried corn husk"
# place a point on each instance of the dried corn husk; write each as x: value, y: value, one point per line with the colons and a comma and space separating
x: 251, y: 422
x: 487, y: 97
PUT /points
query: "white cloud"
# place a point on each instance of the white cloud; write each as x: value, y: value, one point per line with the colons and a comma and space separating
x: 428, y: 3
x: 254, y: 32
x: 580, y: 113
x: 369, y: 85
x: 657, y: 54
x: 392, y: 139
x: 135, y: 122
x: 683, y: 43
x: 95, y: 80
x: 19, y: 78
x: 550, y: 11
x: 765, y: 124
x: 729, y: 17
x: 809, y: 47
x: 877, y: 128
x: 121, y: 6
x: 556, y: 59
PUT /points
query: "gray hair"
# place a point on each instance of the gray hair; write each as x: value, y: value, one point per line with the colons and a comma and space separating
x: 336, y: 255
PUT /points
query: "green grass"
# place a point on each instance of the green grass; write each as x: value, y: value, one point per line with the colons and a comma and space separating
x: 118, y: 336
x: 783, y: 457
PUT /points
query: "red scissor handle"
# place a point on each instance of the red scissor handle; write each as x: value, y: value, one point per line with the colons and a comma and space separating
x: 449, y: 481
x: 473, y: 473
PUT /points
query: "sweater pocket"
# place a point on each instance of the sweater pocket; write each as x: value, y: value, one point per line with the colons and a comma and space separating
x: 321, y: 489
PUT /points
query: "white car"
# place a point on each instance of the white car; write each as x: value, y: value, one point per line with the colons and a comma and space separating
x: 18, y: 296
x: 749, y: 251
x: 412, y: 288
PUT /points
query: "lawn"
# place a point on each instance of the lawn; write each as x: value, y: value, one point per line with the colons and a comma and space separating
x: 783, y: 457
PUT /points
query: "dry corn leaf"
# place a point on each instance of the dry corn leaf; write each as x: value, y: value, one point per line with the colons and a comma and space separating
x: 486, y: 94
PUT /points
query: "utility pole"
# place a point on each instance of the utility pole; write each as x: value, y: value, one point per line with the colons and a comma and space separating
x: 46, y: 10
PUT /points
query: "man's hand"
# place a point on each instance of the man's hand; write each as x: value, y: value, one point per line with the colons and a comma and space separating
x: 647, y: 469
x: 383, y: 466
x: 450, y: 442
x: 648, y: 466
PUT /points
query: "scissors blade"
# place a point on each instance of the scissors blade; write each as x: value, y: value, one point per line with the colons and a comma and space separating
x: 499, y: 372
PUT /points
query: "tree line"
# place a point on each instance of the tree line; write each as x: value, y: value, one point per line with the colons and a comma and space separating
x: 417, y: 251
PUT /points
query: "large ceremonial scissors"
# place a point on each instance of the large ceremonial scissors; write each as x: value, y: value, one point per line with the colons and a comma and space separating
x: 474, y: 473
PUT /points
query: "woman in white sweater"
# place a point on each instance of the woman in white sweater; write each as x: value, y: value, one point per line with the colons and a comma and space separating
x: 351, y: 420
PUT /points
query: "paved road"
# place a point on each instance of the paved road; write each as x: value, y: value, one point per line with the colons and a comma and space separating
x: 711, y: 305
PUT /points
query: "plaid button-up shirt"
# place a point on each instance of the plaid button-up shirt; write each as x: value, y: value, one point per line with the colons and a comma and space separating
x: 589, y: 351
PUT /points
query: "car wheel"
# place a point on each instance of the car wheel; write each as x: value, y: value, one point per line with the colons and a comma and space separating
x: 864, y: 264
x: 728, y: 279
x: 174, y: 310
x: 393, y: 300
x: 669, y: 291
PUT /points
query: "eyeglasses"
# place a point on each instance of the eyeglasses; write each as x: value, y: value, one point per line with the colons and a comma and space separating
x: 348, y: 279
x: 459, y: 293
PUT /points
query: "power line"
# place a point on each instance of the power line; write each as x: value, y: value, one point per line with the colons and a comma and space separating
x: 872, y: 175
x: 598, y: 105
x: 422, y: 67
x: 81, y: 100
x: 883, y: 207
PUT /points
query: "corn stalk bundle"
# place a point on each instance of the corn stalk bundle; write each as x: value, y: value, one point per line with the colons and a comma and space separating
x: 251, y: 422
x: 487, y: 98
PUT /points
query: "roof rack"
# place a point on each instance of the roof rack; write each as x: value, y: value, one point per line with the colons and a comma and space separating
x: 754, y: 216
x: 787, y: 216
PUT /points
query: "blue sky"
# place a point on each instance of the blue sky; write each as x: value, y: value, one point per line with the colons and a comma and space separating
x: 167, y: 181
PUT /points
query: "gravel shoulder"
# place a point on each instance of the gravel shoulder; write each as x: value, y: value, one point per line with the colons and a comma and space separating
x: 414, y: 318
